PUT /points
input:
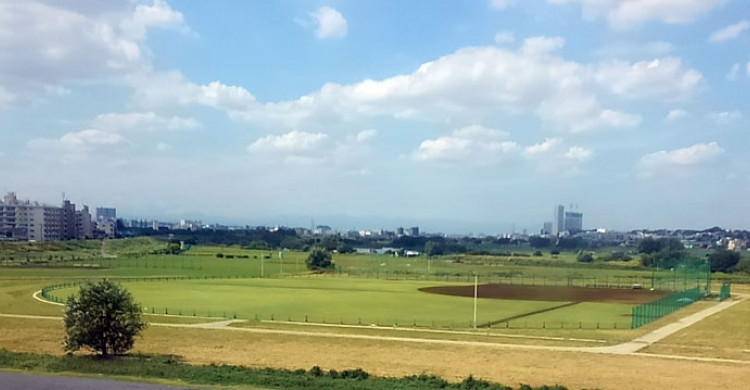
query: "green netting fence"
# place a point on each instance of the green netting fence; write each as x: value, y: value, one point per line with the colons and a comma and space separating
x: 725, y: 292
x: 652, y: 311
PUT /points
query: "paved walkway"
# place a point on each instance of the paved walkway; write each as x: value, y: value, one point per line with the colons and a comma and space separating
x: 627, y: 348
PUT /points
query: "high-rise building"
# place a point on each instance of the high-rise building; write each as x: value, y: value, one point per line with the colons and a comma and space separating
x: 558, y: 220
x: 547, y: 229
x: 573, y: 222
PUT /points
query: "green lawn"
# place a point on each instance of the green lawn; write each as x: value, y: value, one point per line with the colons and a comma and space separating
x: 344, y: 300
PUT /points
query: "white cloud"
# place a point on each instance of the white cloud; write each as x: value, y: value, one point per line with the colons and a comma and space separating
x: 665, y: 78
x: 146, y: 121
x: 365, y: 135
x: 46, y: 45
x: 473, y: 144
x: 748, y: 68
x: 553, y: 157
x: 675, y: 115
x: 501, y: 4
x: 163, y: 147
x: 475, y: 82
x: 540, y: 46
x: 729, y: 32
x: 629, y: 13
x: 679, y: 162
x: 734, y: 72
x: 725, y: 117
x: 504, y: 37
x: 330, y: 23
x: 76, y: 145
x: 548, y: 145
x: 578, y: 153
x: 292, y: 142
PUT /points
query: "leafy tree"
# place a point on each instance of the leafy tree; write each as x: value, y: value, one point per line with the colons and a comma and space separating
x: 537, y: 242
x: 102, y: 317
x: 585, y: 257
x: 433, y: 248
x: 723, y: 260
x: 319, y: 259
x: 329, y: 243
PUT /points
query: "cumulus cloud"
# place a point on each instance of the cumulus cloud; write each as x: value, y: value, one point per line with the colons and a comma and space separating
x: 665, y: 78
x: 77, y: 145
x: 552, y: 156
x: 679, y: 162
x: 725, y: 117
x: 365, y: 135
x: 730, y: 32
x: 472, y: 144
x: 330, y: 23
x: 629, y: 13
x: 294, y: 142
x: 49, y: 44
x: 539, y: 46
x: 675, y: 115
x: 143, y: 121
x: 471, y: 83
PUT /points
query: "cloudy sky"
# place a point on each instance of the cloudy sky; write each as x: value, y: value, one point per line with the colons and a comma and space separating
x: 457, y: 116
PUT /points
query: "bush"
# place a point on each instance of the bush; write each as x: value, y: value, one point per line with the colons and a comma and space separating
x: 220, y: 255
x: 319, y: 259
x: 554, y: 252
x: 585, y: 257
x: 538, y: 253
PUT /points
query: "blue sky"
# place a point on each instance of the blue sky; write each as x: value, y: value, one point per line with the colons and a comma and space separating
x: 457, y: 116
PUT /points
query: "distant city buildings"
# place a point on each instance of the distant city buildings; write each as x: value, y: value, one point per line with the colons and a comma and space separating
x: 563, y: 222
x: 25, y: 220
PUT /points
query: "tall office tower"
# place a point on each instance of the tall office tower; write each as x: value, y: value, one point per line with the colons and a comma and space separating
x: 558, y: 220
x: 573, y: 222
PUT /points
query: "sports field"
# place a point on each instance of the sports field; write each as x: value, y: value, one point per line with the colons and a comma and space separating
x: 352, y: 301
x: 386, y: 286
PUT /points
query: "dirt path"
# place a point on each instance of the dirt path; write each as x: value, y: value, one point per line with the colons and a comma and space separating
x: 628, y: 348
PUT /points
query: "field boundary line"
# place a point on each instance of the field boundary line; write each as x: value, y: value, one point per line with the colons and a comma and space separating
x: 439, y: 331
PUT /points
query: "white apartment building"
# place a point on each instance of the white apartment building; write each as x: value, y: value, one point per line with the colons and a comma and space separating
x: 24, y: 220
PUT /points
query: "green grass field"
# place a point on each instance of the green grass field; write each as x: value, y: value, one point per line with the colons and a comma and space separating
x: 365, y: 289
x: 321, y: 299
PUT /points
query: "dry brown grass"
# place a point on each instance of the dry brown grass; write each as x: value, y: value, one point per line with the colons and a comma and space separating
x: 397, y: 358
x: 725, y: 335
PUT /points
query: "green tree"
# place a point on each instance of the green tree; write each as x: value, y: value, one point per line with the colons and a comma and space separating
x: 102, y: 317
x: 319, y: 259
x: 433, y: 248
x: 585, y: 257
x: 723, y: 260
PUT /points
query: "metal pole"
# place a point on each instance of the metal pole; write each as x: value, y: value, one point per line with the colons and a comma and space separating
x: 476, y: 281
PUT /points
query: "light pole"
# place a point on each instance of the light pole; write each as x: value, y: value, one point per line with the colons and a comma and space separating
x: 476, y: 281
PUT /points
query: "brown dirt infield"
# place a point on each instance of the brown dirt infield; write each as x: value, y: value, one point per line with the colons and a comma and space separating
x: 551, y: 293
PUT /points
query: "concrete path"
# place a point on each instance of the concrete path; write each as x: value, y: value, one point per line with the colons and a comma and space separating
x: 627, y: 348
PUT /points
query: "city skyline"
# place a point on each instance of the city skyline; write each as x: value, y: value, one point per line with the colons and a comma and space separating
x: 460, y: 117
